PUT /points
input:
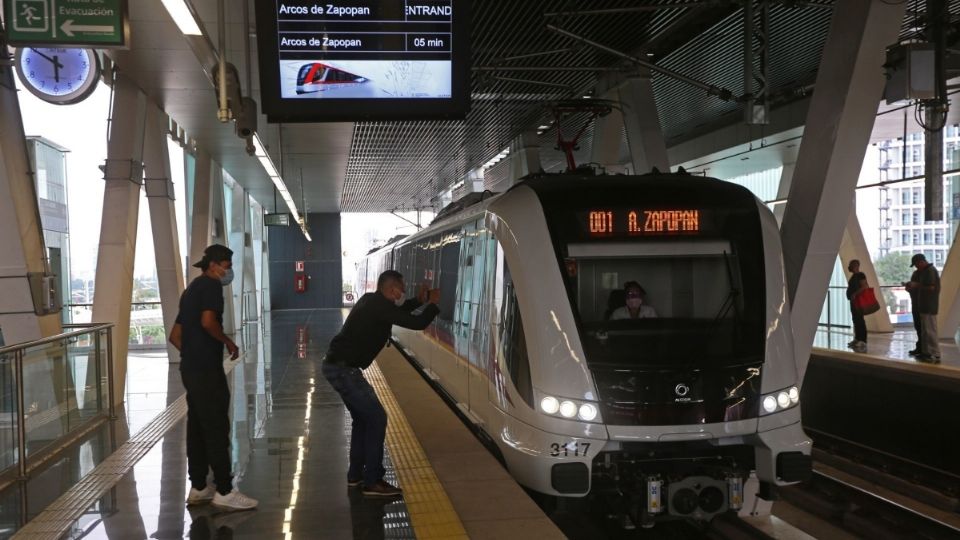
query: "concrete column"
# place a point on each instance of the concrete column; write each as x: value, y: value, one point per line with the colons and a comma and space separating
x: 239, y: 226
x: 948, y: 318
x: 853, y: 246
x: 849, y: 85
x: 644, y: 134
x: 526, y: 157
x: 21, y: 236
x: 783, y: 190
x: 220, y: 235
x: 200, y: 220
x: 249, y: 266
x: 163, y: 218
x: 123, y: 175
x: 607, y: 134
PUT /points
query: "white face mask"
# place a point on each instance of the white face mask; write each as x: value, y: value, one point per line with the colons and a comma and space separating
x: 227, y: 277
x: 634, y: 303
x: 401, y: 300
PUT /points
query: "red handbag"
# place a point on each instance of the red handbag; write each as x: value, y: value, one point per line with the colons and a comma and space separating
x: 866, y: 301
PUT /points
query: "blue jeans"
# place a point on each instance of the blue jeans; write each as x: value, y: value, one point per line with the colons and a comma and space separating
x: 369, y: 422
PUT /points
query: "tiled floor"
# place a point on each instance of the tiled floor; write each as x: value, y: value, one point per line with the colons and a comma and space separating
x: 289, y: 448
x: 889, y: 345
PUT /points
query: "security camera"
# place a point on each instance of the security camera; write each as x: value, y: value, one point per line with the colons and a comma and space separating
x: 246, y: 120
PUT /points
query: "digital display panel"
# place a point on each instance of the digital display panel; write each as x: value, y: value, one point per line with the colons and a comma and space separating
x: 601, y: 223
x: 276, y: 220
x: 363, y: 59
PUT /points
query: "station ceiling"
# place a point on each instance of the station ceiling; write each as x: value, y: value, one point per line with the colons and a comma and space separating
x: 519, y: 64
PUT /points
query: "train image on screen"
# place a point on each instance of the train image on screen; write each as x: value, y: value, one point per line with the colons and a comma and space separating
x: 662, y: 417
x: 318, y: 77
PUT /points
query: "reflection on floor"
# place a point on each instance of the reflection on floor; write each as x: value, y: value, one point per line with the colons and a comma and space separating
x: 894, y: 346
x: 290, y: 433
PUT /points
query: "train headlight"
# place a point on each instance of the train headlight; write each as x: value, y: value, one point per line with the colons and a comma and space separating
x: 549, y: 405
x: 588, y: 412
x: 780, y: 400
x: 783, y: 400
x: 769, y: 404
x: 568, y: 409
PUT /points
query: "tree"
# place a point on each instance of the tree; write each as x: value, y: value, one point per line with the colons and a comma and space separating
x: 892, y: 269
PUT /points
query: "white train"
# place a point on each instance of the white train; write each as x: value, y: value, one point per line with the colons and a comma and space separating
x: 668, y: 415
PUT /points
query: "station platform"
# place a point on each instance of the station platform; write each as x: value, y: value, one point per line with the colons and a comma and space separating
x: 893, y: 346
x: 290, y: 434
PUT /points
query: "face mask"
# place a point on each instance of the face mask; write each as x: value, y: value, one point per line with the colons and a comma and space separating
x: 401, y: 300
x: 634, y: 303
x: 227, y: 277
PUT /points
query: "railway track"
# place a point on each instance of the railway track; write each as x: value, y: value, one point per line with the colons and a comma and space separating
x: 869, y: 512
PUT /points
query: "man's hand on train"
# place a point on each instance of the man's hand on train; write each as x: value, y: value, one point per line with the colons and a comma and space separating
x: 434, y: 296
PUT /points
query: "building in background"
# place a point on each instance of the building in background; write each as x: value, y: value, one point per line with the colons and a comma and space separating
x: 49, y: 162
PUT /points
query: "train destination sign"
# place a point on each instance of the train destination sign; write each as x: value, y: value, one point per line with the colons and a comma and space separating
x: 363, y: 59
x: 640, y: 222
x: 69, y: 23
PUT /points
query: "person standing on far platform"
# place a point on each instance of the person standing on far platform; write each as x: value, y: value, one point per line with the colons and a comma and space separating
x: 925, y: 288
x: 857, y: 283
x: 198, y: 335
x: 363, y: 336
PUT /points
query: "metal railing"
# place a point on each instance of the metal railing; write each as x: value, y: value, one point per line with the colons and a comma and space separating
x: 52, y: 409
x: 843, y: 305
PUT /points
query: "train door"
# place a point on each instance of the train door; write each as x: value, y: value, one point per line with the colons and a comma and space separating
x: 484, y: 264
x: 445, y: 362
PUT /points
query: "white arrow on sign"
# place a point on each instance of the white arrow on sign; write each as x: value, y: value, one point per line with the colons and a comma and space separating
x: 69, y: 28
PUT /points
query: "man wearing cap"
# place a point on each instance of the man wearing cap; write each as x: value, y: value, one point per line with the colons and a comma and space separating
x: 924, y: 287
x: 198, y: 335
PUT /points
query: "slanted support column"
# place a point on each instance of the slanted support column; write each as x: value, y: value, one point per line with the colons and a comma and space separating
x: 163, y: 219
x: 853, y: 246
x: 607, y: 134
x: 948, y: 318
x: 526, y: 158
x: 200, y: 220
x: 849, y: 85
x: 22, y: 250
x: 783, y: 191
x: 219, y: 235
x: 644, y: 134
x: 123, y: 176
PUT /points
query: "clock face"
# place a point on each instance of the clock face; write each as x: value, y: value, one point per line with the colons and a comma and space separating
x: 58, y: 75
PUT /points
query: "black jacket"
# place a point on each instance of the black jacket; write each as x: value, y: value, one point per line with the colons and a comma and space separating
x: 368, y: 326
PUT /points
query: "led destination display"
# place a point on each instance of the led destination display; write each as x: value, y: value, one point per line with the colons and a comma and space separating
x: 363, y: 59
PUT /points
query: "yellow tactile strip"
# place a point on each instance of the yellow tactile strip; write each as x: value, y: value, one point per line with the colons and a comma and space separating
x: 430, y: 509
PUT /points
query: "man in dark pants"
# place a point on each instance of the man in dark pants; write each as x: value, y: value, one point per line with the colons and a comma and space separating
x: 913, y: 311
x: 362, y: 337
x: 857, y: 283
x: 198, y: 335
x: 926, y: 285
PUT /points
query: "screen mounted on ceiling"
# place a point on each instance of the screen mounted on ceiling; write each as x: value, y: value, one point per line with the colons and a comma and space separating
x: 363, y: 59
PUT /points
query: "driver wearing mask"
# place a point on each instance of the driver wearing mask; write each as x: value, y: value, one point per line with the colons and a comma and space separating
x: 363, y: 336
x: 635, y: 307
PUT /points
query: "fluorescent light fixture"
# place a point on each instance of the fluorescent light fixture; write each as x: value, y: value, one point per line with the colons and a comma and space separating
x: 183, y: 16
x: 260, y: 151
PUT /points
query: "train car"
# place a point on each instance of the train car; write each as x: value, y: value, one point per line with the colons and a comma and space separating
x: 318, y: 77
x: 665, y: 416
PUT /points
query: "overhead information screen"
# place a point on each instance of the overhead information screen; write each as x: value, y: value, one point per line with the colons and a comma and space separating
x: 363, y: 59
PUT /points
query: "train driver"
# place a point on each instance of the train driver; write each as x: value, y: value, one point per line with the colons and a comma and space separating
x: 634, y: 307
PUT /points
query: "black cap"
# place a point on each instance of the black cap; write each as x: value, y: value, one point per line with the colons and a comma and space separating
x: 917, y: 258
x: 214, y: 253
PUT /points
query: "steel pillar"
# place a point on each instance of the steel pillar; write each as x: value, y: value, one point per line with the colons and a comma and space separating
x: 220, y: 235
x: 849, y: 86
x: 948, y: 318
x: 163, y: 219
x: 644, y: 134
x: 21, y: 236
x: 123, y: 176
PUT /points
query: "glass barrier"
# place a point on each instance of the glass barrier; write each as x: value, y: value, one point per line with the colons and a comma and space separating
x: 50, y: 389
x: 147, y: 330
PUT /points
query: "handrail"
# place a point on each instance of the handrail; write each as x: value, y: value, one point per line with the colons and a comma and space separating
x: 43, y: 341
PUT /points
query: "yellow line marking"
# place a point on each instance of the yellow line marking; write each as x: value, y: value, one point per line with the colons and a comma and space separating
x: 430, y: 509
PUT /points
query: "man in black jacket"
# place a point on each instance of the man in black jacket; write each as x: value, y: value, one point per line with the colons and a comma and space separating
x: 363, y: 336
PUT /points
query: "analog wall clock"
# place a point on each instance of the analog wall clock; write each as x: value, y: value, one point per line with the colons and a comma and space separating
x: 58, y: 75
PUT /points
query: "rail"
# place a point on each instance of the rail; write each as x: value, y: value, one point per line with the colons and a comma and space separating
x: 44, y: 415
x: 837, y: 313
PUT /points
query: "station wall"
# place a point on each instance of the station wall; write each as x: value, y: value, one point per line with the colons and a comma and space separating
x: 322, y: 264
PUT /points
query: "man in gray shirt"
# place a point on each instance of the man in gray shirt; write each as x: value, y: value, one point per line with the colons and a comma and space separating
x: 925, y: 287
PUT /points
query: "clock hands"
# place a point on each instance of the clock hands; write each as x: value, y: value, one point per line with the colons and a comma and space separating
x: 55, y: 60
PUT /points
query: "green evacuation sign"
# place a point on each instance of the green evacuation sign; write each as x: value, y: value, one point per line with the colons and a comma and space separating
x: 82, y: 23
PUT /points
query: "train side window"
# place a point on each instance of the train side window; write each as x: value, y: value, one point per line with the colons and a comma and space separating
x: 512, y: 341
x: 449, y: 270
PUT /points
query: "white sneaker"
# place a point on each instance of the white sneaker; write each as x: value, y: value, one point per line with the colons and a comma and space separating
x: 234, y: 501
x: 852, y: 344
x: 201, y: 496
x: 860, y: 347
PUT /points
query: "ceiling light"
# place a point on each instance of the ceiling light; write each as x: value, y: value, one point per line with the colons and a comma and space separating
x: 183, y: 16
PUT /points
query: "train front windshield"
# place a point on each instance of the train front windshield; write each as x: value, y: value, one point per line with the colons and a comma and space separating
x: 696, y: 262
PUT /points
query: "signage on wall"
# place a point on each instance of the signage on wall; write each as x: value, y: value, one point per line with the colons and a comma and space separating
x: 299, y: 266
x: 77, y: 23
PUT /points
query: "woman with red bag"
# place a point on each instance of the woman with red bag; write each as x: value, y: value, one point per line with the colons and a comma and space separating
x: 856, y: 285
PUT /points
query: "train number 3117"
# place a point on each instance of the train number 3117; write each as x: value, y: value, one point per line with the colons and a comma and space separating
x: 574, y: 448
